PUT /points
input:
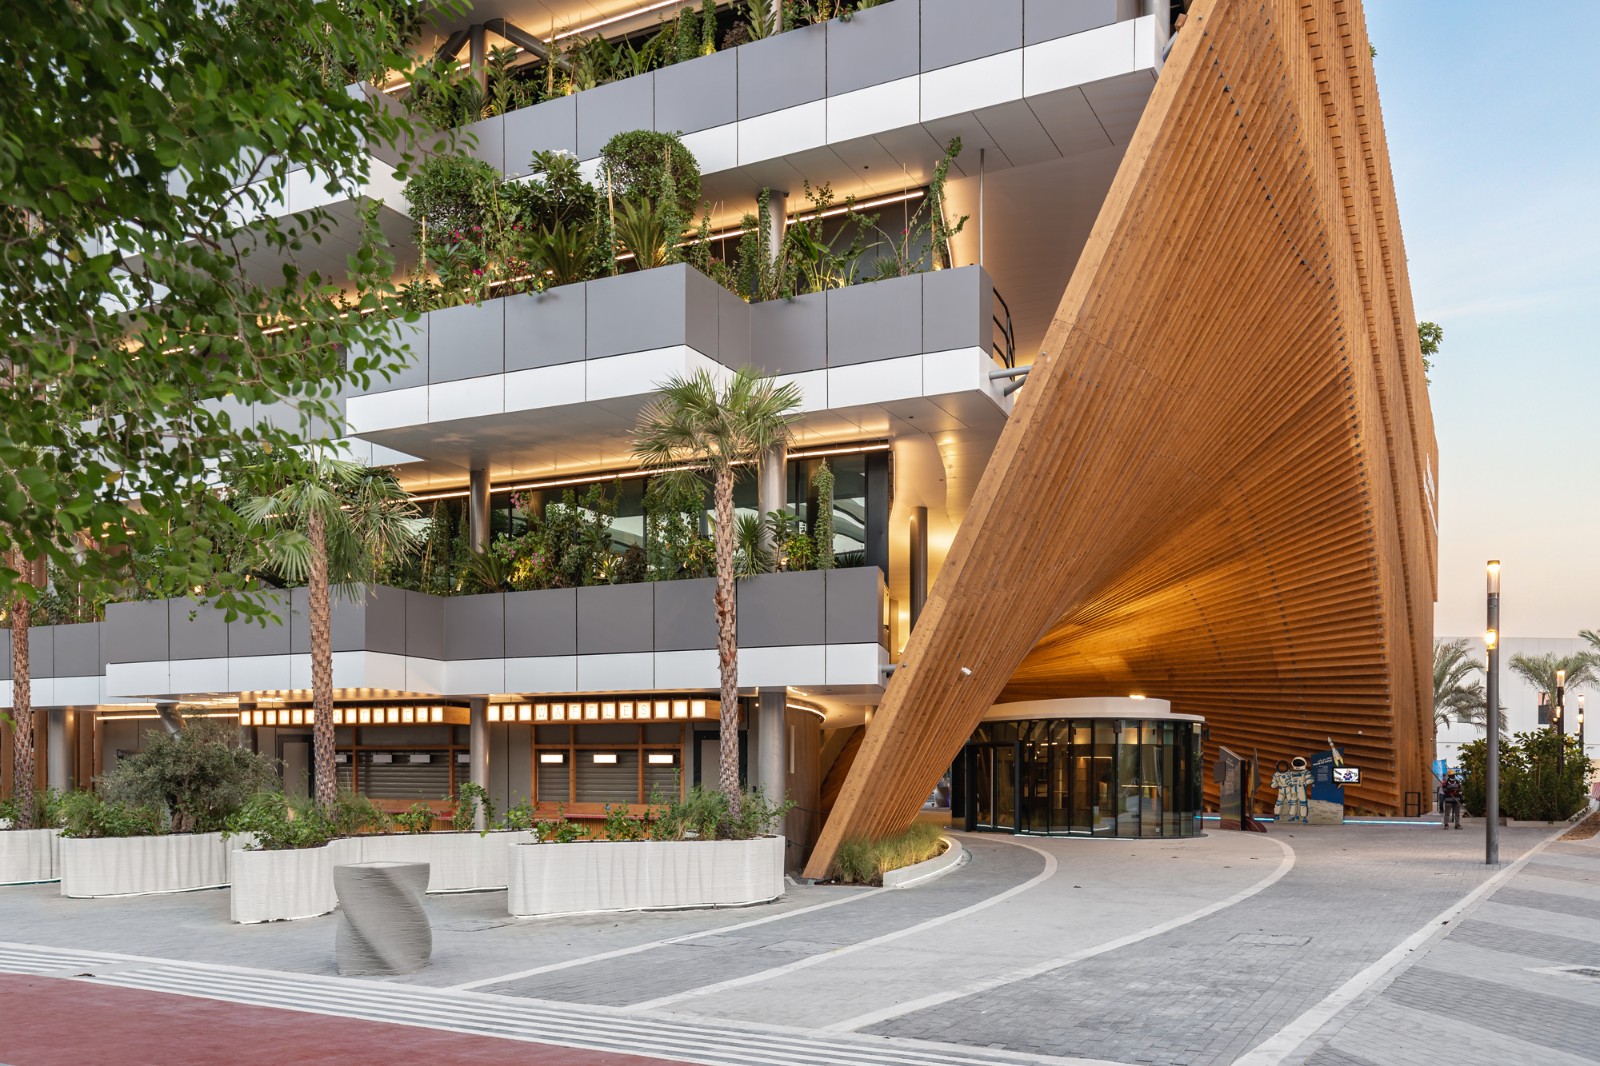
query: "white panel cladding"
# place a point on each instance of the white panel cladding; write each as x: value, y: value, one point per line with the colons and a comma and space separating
x: 813, y: 385
x: 419, y: 675
x: 617, y: 672
x: 638, y: 373
x: 28, y: 856
x: 867, y: 383
x: 132, y: 679
x: 795, y: 665
x: 75, y: 691
x: 643, y: 875
x: 475, y: 675
x: 545, y: 386
x: 781, y: 133
x: 686, y: 669
x: 138, y: 866
x: 1083, y: 57
x: 715, y: 149
x: 865, y: 112
x: 959, y: 370
x: 543, y: 673
x: 198, y: 675
x: 387, y: 410
x: 449, y: 401
x: 969, y: 86
x: 856, y: 664
x: 260, y: 673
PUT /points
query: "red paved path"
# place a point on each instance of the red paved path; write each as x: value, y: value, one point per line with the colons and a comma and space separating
x: 49, y: 1022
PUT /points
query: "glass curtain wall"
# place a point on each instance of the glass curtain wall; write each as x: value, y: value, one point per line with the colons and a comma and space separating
x: 1087, y: 777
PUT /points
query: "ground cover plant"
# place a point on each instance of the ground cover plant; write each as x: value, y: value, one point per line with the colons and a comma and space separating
x: 864, y: 862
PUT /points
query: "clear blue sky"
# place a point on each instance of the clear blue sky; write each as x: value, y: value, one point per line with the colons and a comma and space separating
x: 1493, y: 119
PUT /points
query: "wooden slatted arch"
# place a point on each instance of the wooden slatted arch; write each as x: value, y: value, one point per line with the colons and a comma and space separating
x: 1216, y: 487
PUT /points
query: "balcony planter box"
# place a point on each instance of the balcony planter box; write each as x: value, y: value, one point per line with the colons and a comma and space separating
x: 28, y: 856
x: 457, y: 862
x: 140, y: 866
x: 276, y: 886
x: 574, y: 878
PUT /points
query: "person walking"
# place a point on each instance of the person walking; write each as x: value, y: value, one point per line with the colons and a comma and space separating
x: 1450, y: 802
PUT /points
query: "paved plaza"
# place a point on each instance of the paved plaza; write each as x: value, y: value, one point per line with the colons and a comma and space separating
x: 1360, y: 945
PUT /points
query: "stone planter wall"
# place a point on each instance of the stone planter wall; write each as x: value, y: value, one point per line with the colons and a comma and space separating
x: 28, y: 856
x: 138, y: 866
x: 643, y: 875
x: 457, y: 862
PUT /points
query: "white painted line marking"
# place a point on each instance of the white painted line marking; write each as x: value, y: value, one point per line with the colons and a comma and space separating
x: 719, y: 930
x: 850, y: 949
x: 1277, y: 1047
x: 861, y: 1021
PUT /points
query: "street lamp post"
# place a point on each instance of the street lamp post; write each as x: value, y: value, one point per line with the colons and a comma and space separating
x: 1491, y: 785
x: 1561, y: 725
x: 1582, y: 746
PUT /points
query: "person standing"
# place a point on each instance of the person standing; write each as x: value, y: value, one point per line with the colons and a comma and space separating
x: 1450, y: 802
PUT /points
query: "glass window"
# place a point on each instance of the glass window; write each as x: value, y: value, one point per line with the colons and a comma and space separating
x: 1129, y: 783
x: 1103, y: 771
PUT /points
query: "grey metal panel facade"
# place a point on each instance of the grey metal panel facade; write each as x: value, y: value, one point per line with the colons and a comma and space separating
x: 424, y: 625
x: 685, y: 615
x: 699, y: 94
x: 957, y: 309
x: 485, y: 140
x: 196, y: 631
x: 636, y: 312
x: 881, y: 320
x: 348, y: 621
x: 733, y: 329
x: 856, y: 599
x: 1045, y: 20
x: 702, y: 307
x: 136, y: 632
x: 878, y: 45
x: 614, y: 619
x: 475, y: 627
x: 253, y: 638
x: 467, y: 341
x: 541, y: 623
x: 607, y: 110
x: 77, y: 650
x: 779, y: 610
x: 783, y: 71
x: 550, y: 126
x: 790, y: 336
x: 41, y: 653
x: 953, y: 32
x: 413, y: 337
x: 546, y: 328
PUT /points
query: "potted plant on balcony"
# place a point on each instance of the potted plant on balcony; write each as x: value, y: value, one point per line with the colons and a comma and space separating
x: 156, y: 824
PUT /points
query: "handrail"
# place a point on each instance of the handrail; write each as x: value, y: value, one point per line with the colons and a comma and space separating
x: 1007, y: 355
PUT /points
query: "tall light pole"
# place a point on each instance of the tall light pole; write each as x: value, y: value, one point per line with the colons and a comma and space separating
x: 1581, y: 745
x: 1561, y: 725
x: 1491, y: 785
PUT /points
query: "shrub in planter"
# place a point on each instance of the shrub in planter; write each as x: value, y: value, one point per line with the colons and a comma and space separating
x: 704, y: 815
x: 88, y: 815
x: 469, y: 799
x: 1531, y: 789
x: 864, y: 862
x: 419, y: 819
x: 46, y: 810
x: 196, y: 778
x: 279, y: 824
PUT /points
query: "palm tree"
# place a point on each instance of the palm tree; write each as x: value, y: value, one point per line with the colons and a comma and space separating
x: 694, y: 426
x: 330, y: 522
x: 29, y: 571
x: 1593, y: 637
x: 1540, y: 670
x: 1457, y: 695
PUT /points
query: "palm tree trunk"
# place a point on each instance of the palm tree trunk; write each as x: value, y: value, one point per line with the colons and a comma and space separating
x: 322, y: 740
x: 727, y: 639
x: 21, y: 701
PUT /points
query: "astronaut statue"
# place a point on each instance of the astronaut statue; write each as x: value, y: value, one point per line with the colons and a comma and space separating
x: 1293, y: 782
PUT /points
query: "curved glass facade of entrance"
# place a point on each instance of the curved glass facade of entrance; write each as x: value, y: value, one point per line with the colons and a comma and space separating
x: 1102, y: 777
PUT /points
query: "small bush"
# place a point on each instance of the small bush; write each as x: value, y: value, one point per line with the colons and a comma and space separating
x: 354, y: 814
x: 46, y: 809
x: 559, y: 830
x: 518, y: 817
x: 703, y: 815
x: 419, y: 819
x: 621, y: 825
x: 86, y: 815
x: 197, y: 777
x: 280, y: 824
x: 864, y: 862
x: 469, y: 798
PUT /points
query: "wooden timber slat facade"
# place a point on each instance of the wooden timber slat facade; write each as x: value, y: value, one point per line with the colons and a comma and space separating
x: 1218, y: 486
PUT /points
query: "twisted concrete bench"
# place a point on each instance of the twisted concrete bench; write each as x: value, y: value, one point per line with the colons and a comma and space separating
x: 383, y: 929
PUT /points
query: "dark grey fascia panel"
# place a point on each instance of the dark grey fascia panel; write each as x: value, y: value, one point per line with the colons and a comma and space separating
x: 548, y: 127
x: 733, y: 329
x: 485, y: 140
x: 541, y: 623
x: 41, y: 653
x: 475, y: 627
x: 702, y: 313
x: 413, y: 338
x: 607, y: 110
x: 699, y: 94
x: 957, y: 31
x: 880, y: 320
x: 856, y: 598
x: 957, y: 309
x: 196, y: 631
x: 77, y: 650
x: 547, y: 328
x: 878, y: 45
x: 783, y: 71
x: 1046, y: 20
x: 780, y: 610
x: 790, y: 336
x: 5, y: 650
x: 685, y: 614
x: 424, y: 625
x: 267, y: 637
x: 467, y: 341
x: 637, y: 312
x: 615, y: 619
x: 136, y: 632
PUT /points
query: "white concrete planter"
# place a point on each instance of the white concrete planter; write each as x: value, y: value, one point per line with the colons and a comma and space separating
x: 139, y: 866
x: 275, y: 886
x: 927, y: 869
x: 643, y: 875
x: 28, y: 856
x: 457, y: 862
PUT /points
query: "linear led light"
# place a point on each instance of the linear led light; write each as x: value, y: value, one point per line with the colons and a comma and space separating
x: 661, y: 758
x: 605, y: 758
x: 551, y: 758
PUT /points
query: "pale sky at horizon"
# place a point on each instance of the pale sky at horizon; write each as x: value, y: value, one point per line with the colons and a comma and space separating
x: 1491, y: 115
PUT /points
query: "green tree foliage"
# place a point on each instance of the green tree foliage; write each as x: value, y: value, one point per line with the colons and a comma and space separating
x: 1458, y: 694
x: 1540, y: 671
x: 1534, y: 783
x: 823, y: 481
x: 1430, y: 335
x: 197, y: 778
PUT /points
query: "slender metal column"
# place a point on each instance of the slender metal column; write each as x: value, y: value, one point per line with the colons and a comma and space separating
x: 478, y: 749
x: 168, y: 713
x: 1491, y: 813
x: 479, y: 57
x: 478, y: 509
x: 919, y: 562
x: 772, y: 742
x: 777, y: 219
x: 981, y: 152
x: 58, y: 752
x: 772, y: 475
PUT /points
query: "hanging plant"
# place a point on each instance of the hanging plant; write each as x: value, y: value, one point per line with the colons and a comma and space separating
x: 823, y: 482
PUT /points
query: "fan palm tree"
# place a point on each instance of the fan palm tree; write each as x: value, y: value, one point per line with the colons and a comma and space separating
x: 330, y: 523
x: 1540, y: 670
x: 696, y: 426
x: 1457, y: 695
x: 1593, y: 637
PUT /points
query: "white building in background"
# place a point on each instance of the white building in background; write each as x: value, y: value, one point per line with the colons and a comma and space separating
x: 1521, y: 699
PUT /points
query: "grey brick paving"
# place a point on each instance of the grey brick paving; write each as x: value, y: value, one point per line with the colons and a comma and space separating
x: 1329, y: 1057
x: 1537, y: 1020
x: 1559, y: 949
x: 1561, y: 872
